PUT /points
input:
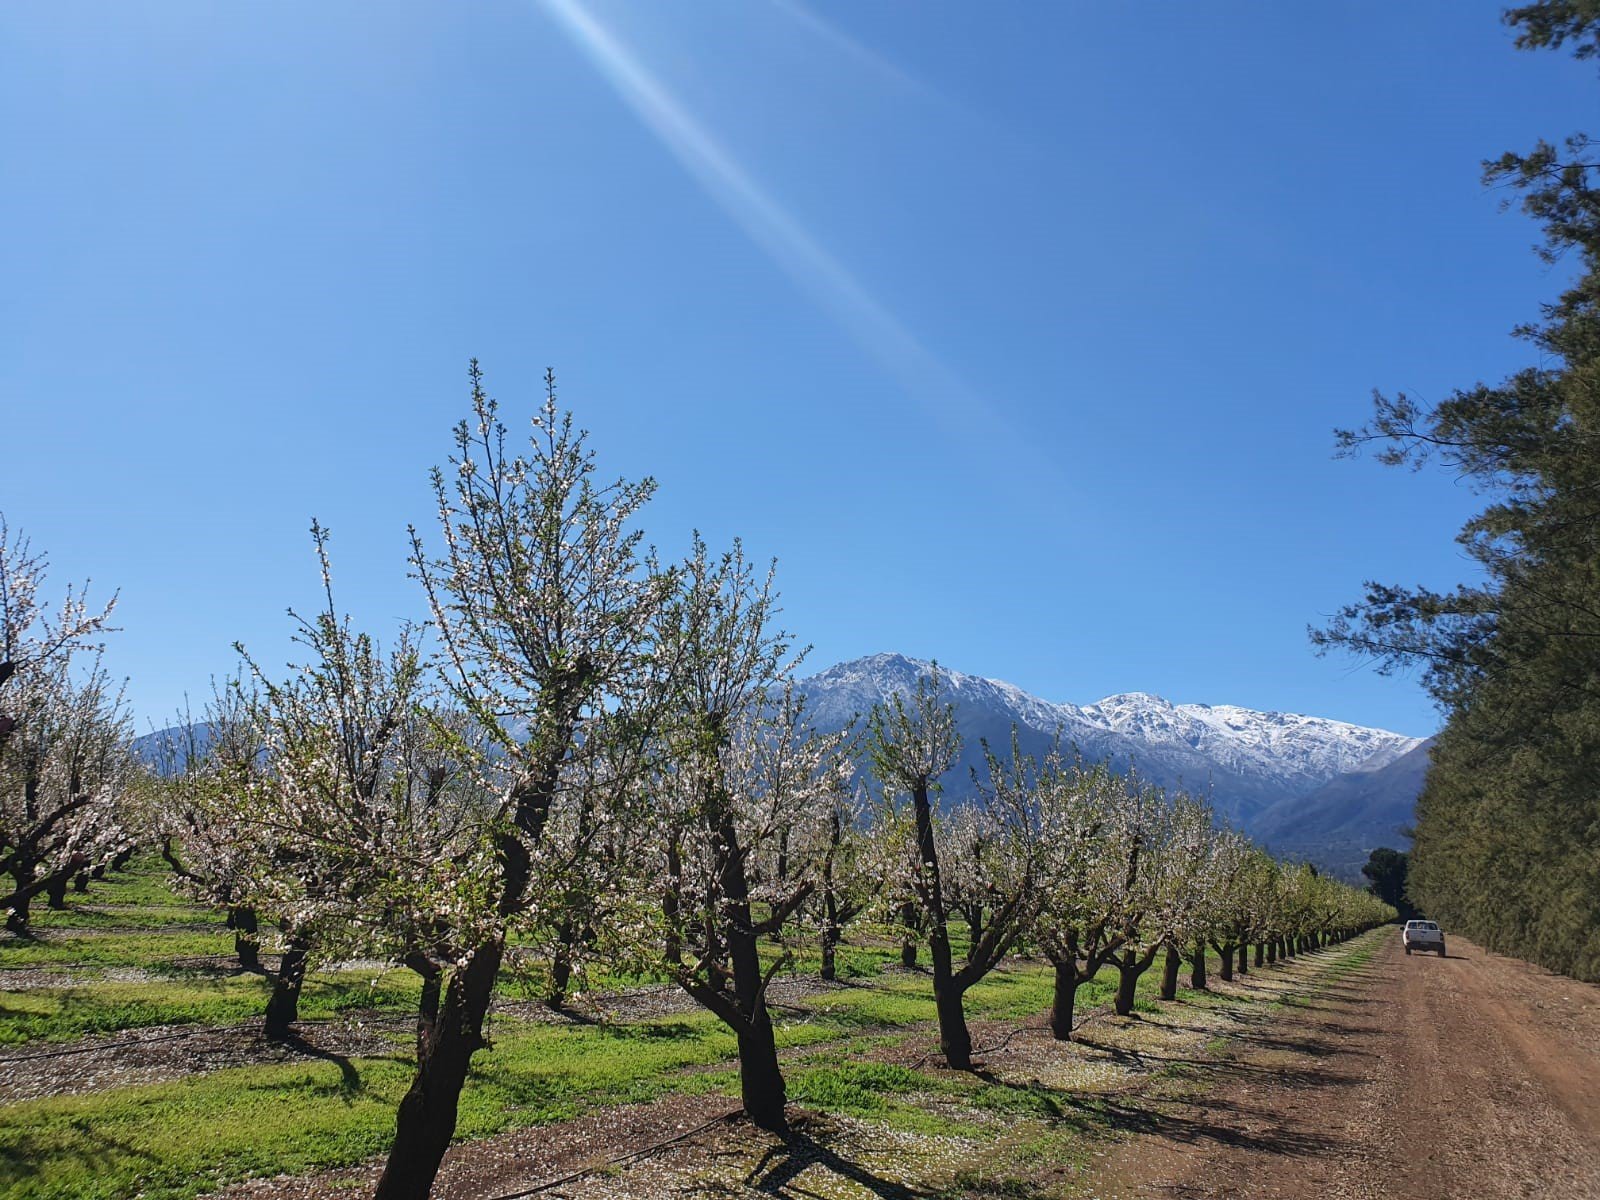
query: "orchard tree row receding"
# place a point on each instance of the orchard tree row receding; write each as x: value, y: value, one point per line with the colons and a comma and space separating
x: 598, y: 759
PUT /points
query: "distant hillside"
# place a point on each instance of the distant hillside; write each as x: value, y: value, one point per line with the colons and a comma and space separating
x: 1342, y: 821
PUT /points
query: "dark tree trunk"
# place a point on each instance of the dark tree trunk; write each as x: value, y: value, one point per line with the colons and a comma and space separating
x: 1272, y: 951
x: 56, y: 890
x: 284, y: 1006
x: 80, y: 881
x: 1169, y: 973
x: 1197, y: 967
x: 1225, y: 952
x: 426, y: 1120
x: 121, y: 859
x: 1129, y: 967
x: 830, y: 902
x: 561, y: 965
x: 761, y: 1086
x: 1064, y: 1001
x: 908, y: 943
x: 1244, y: 958
x: 830, y: 927
x: 1261, y: 955
x: 22, y: 901
x: 954, y: 1038
x: 245, y: 943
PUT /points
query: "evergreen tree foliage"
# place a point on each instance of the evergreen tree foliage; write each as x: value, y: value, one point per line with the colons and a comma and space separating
x: 1386, y: 872
x: 1507, y: 845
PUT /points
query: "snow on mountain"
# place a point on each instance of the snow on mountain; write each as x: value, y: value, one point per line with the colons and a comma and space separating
x: 1247, y: 761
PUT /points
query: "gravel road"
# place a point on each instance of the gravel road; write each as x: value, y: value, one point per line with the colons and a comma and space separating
x: 1411, y: 1078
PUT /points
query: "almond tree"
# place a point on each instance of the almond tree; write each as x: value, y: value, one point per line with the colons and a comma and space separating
x: 543, y: 605
x: 360, y: 811
x: 65, y: 763
x: 204, y: 770
x: 848, y: 884
x: 1190, y: 892
x: 911, y: 746
x: 738, y: 779
x: 65, y: 770
x: 1230, y: 900
x: 1146, y: 886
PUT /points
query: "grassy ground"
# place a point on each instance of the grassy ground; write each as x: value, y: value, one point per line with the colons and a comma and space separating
x: 858, y: 1053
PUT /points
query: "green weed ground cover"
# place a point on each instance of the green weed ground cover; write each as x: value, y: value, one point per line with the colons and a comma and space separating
x: 171, y: 1141
x: 62, y: 1014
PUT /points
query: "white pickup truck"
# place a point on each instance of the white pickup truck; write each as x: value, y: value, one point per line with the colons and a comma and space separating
x: 1423, y: 935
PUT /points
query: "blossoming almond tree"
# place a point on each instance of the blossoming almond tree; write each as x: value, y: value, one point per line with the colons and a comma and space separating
x: 65, y: 759
x: 739, y: 784
x: 65, y: 771
x: 1076, y: 919
x: 911, y: 744
x: 848, y: 882
x: 204, y: 770
x: 544, y: 605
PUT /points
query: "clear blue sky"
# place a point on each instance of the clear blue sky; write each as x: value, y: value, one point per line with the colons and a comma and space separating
x: 1015, y: 332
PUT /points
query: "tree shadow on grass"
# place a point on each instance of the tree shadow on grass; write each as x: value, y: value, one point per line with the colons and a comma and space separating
x: 91, y: 1153
x: 349, y: 1078
x: 783, y: 1164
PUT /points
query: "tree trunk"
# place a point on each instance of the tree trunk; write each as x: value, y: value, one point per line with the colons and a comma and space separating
x: 1128, y: 972
x: 1261, y: 955
x: 561, y: 966
x: 426, y: 1120
x: 284, y: 1006
x: 1169, y: 974
x: 954, y: 1038
x: 23, y: 876
x: 80, y: 881
x: 908, y: 943
x: 1064, y: 1001
x: 760, y: 1081
x: 830, y: 929
x: 1272, y: 951
x: 1197, y: 968
x: 1244, y: 958
x: 1225, y: 951
x: 761, y: 1086
x: 56, y: 890
x: 830, y: 906
x: 245, y: 943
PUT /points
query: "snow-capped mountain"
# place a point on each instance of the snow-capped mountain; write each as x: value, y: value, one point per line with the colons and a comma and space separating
x: 1247, y: 761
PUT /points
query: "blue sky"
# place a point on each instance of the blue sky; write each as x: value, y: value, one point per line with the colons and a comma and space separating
x: 1015, y: 332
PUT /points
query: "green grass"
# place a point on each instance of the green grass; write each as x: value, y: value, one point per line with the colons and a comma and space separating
x: 172, y: 1140
x: 146, y: 949
x: 61, y: 1014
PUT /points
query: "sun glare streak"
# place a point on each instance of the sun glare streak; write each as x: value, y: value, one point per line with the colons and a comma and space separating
x: 767, y: 222
x: 815, y: 24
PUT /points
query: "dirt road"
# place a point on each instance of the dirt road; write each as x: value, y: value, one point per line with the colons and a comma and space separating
x: 1409, y: 1078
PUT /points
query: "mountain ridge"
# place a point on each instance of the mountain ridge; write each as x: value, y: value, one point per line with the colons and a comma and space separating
x: 1248, y: 761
